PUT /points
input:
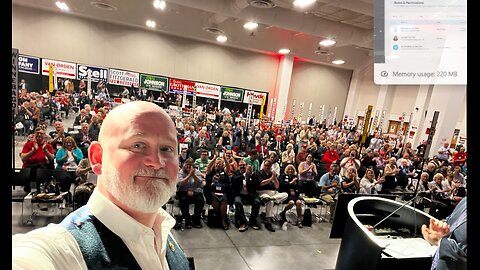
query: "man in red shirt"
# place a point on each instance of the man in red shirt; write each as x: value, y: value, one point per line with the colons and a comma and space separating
x: 37, y: 153
x: 460, y: 157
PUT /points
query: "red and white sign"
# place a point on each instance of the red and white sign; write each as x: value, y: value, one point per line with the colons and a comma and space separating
x: 208, y: 90
x: 256, y: 97
x: 179, y: 85
x: 63, y: 69
x: 123, y: 77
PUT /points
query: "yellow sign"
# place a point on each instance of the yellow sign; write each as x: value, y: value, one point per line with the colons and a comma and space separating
x: 261, y: 107
x: 366, y: 123
x: 50, y: 78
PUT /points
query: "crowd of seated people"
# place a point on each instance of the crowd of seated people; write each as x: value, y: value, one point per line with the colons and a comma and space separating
x: 227, y: 164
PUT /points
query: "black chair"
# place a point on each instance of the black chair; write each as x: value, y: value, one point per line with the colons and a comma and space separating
x: 20, y: 178
x: 42, y: 176
x: 65, y: 179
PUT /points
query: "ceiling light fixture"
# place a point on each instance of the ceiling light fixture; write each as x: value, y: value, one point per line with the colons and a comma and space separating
x: 338, y: 62
x: 151, y: 23
x: 222, y: 38
x: 303, y: 3
x: 284, y: 51
x: 62, y: 6
x: 159, y: 4
x: 327, y: 42
x: 250, y: 25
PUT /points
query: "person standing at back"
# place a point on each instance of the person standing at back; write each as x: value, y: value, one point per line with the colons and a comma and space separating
x: 123, y: 225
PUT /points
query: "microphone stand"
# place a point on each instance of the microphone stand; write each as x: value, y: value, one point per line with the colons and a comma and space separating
x: 396, y: 210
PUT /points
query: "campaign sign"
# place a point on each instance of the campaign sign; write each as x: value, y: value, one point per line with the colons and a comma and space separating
x: 207, y: 90
x: 254, y: 97
x: 123, y: 77
x: 179, y: 86
x: 232, y: 94
x: 98, y: 73
x: 152, y: 82
x: 62, y: 69
x: 28, y: 64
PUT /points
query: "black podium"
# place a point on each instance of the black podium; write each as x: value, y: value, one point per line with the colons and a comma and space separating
x: 394, y: 243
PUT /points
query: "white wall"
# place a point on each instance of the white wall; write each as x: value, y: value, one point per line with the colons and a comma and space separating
x: 396, y: 99
x: 320, y: 85
x: 62, y: 37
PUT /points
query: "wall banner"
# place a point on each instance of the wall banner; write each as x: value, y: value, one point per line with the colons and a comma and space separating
x: 232, y: 94
x: 207, y: 90
x: 63, y: 69
x: 257, y: 97
x: 124, y: 77
x: 178, y: 86
x: 152, y: 82
x: 28, y: 64
x: 98, y: 73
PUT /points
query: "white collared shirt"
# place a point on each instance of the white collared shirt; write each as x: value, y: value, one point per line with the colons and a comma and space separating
x: 53, y: 247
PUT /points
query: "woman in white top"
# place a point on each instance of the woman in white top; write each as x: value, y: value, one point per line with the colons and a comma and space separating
x: 370, y: 185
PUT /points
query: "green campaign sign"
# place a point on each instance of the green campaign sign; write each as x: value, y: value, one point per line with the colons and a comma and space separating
x: 232, y: 94
x: 152, y: 82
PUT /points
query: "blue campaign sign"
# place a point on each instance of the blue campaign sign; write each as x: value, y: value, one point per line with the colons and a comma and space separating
x: 28, y: 64
x: 98, y: 73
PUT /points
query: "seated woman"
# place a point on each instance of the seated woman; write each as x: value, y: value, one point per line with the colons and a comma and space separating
x: 307, y: 171
x: 67, y: 159
x: 390, y: 173
x: 217, y: 188
x: 289, y: 184
x: 350, y: 182
x: 369, y: 184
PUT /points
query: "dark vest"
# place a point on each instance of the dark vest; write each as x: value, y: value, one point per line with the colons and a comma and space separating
x: 102, y: 249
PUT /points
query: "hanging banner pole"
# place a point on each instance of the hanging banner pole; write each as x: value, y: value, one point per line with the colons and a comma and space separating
x: 301, y: 112
x: 400, y: 130
x: 261, y: 106
x: 310, y: 111
x: 329, y: 115
x: 375, y: 122
x: 334, y: 119
x: 249, y: 111
x: 408, y: 130
x: 50, y: 78
x: 380, y: 125
x: 321, y: 117
x: 89, y: 83
x: 366, y: 123
x: 293, y: 111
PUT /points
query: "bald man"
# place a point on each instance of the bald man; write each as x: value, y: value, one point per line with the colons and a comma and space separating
x: 123, y: 224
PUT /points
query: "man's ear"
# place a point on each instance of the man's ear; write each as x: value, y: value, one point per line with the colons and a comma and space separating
x: 95, y: 152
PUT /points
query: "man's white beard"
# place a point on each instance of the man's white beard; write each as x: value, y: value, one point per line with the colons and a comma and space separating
x: 146, y: 197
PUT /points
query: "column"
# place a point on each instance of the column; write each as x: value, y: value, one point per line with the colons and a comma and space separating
x: 282, y: 86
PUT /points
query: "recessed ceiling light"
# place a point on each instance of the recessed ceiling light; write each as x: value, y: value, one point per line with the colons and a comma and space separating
x: 327, y: 42
x: 250, y: 25
x: 151, y: 23
x: 284, y: 51
x: 338, y: 62
x: 158, y: 4
x: 222, y: 38
x: 62, y: 6
x: 303, y: 3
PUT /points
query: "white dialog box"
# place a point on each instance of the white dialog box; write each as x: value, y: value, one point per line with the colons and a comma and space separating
x: 420, y: 42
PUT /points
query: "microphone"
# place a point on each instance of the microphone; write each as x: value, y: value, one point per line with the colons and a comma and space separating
x: 420, y: 194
